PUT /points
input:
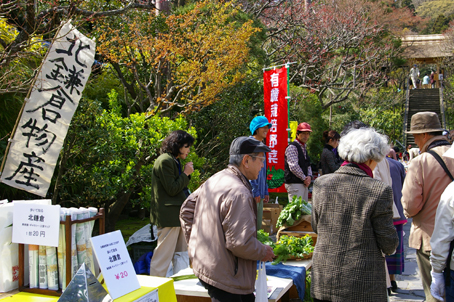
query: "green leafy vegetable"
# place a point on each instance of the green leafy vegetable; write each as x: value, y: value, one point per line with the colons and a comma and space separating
x: 287, y: 246
x: 264, y: 238
x: 184, y: 277
x: 293, y: 212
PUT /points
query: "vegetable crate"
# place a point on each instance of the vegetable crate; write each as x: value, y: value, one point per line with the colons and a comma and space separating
x: 300, y: 228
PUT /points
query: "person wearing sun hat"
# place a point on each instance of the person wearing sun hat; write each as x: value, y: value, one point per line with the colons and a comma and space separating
x: 440, y: 242
x: 298, y: 170
x: 425, y: 182
x: 259, y: 130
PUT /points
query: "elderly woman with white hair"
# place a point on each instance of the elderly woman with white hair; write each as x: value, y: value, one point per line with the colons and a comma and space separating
x: 353, y: 217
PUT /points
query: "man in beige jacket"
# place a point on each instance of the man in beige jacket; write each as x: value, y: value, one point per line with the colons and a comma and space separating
x: 219, y: 221
x: 425, y: 182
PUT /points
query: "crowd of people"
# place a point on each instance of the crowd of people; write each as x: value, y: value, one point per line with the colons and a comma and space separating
x: 428, y: 81
x: 360, y: 204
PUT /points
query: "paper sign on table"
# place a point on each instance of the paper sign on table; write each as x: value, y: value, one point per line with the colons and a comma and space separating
x: 150, y: 297
x: 36, y: 224
x: 115, y: 263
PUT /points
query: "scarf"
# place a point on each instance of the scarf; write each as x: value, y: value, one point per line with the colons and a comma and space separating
x: 363, y: 167
x: 300, y: 142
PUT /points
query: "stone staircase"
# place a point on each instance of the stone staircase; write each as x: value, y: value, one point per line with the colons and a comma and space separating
x: 422, y: 100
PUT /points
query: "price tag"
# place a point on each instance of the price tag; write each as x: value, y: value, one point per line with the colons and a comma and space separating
x: 37, y: 224
x: 115, y: 263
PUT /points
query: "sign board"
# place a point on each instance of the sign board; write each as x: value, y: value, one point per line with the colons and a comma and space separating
x: 47, y: 113
x: 115, y: 263
x: 36, y: 224
x: 276, y: 111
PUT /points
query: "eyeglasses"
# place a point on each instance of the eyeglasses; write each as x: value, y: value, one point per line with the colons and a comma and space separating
x: 261, y: 158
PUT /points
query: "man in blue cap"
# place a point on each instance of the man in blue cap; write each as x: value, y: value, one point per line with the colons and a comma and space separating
x: 259, y: 129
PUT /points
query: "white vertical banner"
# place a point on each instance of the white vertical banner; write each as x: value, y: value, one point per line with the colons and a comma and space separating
x: 47, y: 114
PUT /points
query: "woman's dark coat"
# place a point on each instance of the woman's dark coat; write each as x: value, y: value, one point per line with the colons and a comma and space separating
x: 329, y: 161
x: 353, y: 217
x: 167, y: 193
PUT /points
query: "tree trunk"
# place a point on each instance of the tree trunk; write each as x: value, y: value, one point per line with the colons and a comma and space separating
x: 68, y: 144
x: 115, y: 211
x: 162, y: 6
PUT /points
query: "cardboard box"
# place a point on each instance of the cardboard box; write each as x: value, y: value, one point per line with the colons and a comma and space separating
x: 271, y: 212
x: 267, y: 226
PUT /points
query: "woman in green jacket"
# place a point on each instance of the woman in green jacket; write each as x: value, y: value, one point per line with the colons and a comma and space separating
x: 168, y: 192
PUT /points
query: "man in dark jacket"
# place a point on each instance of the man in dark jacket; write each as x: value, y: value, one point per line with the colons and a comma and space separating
x: 298, y: 171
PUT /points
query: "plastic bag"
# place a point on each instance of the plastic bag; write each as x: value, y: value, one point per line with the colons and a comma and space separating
x: 261, y: 288
x: 179, y: 262
x: 144, y: 235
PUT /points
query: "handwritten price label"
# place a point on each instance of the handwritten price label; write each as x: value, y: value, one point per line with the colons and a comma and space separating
x: 121, y: 275
x: 115, y: 263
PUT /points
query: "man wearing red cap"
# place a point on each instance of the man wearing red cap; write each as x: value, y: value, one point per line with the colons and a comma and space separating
x: 298, y: 171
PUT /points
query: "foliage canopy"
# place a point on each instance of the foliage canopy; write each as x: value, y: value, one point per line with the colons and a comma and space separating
x: 182, y: 60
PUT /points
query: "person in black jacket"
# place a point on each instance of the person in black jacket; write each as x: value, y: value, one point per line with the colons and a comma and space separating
x: 330, y: 160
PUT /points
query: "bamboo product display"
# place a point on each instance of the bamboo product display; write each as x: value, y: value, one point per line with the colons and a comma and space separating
x: 61, y: 267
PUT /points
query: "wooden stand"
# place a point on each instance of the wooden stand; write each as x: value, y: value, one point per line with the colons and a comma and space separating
x: 271, y: 214
x: 68, y: 222
x: 299, y: 229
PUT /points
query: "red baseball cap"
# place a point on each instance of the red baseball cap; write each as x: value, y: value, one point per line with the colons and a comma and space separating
x: 304, y: 127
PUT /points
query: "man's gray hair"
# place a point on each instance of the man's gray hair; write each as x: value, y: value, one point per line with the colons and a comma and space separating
x: 361, y: 145
x: 236, y: 159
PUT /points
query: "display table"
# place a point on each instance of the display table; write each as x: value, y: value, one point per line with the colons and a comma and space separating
x: 166, y: 292
x: 191, y: 290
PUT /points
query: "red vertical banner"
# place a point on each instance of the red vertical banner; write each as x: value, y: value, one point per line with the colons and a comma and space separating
x: 276, y: 111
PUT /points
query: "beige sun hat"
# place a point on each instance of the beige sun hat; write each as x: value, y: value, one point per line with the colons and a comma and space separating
x: 424, y: 122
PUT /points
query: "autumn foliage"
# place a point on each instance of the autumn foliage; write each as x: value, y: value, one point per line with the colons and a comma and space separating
x: 182, y: 60
x: 341, y: 48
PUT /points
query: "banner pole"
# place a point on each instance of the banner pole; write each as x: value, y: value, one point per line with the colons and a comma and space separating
x: 275, y: 66
x: 26, y: 100
x: 289, y: 133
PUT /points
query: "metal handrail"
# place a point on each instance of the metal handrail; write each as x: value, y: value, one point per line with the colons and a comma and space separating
x: 442, y: 107
x: 407, y: 108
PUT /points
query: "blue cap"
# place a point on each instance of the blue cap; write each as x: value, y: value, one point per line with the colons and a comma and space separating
x: 258, y: 122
